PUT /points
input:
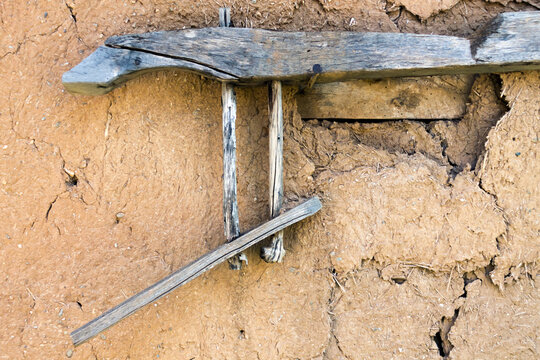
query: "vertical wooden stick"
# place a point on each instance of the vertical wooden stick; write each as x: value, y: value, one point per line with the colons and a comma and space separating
x: 275, y: 252
x: 230, y: 204
x: 224, y: 17
x: 276, y: 148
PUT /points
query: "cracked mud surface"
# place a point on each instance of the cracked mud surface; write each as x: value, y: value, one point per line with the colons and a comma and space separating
x: 427, y: 245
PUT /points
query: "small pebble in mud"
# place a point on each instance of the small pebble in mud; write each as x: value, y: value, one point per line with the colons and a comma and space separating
x: 69, y: 353
x: 119, y: 216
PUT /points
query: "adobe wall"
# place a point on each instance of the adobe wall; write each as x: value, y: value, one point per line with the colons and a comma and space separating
x: 427, y: 244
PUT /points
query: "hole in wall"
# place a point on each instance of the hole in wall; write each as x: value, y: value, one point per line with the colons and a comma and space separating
x: 399, y: 280
x: 72, y: 180
x: 438, y: 340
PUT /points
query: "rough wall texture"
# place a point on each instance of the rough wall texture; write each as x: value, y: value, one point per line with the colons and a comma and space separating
x: 427, y: 245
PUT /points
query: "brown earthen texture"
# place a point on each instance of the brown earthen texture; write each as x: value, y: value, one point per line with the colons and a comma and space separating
x: 464, y: 141
x: 427, y: 244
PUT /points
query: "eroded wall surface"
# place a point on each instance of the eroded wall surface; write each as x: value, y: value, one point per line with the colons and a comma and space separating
x: 427, y: 245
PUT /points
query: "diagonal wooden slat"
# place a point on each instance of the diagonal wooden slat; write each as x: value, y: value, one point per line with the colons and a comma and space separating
x: 194, y: 269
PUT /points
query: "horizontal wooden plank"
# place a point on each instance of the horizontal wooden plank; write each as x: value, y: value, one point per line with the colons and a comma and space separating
x: 252, y: 56
x: 255, y: 55
x: 194, y: 269
x: 429, y: 98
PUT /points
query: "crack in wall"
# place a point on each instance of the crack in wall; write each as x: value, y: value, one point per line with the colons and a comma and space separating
x: 50, y: 208
x: 72, y: 14
x: 441, y: 338
x: 333, y: 300
x: 484, y: 156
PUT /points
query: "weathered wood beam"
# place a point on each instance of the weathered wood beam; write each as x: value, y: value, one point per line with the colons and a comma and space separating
x: 230, y: 203
x: 276, y: 251
x: 253, y: 56
x: 429, y: 98
x: 193, y: 270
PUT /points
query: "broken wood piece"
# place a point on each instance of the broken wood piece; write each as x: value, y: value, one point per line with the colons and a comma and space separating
x: 253, y: 56
x: 230, y: 203
x: 276, y: 251
x: 429, y: 98
x: 194, y: 269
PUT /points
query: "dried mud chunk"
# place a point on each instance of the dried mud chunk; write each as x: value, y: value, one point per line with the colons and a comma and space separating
x: 408, y: 213
x: 378, y: 319
x: 495, y: 325
x: 510, y: 172
x: 425, y: 8
x: 464, y: 140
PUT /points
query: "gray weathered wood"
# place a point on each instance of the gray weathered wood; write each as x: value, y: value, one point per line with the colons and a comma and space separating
x: 511, y: 42
x: 275, y: 135
x: 252, y: 56
x: 429, y: 97
x: 276, y: 251
x: 224, y: 17
x: 230, y: 203
x: 107, y: 68
x: 256, y: 55
x: 194, y: 269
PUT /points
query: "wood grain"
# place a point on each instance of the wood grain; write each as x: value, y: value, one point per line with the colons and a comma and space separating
x: 230, y: 204
x: 275, y: 136
x: 429, y: 98
x: 108, y: 68
x: 256, y: 55
x: 194, y: 269
x: 253, y: 56
x: 511, y: 42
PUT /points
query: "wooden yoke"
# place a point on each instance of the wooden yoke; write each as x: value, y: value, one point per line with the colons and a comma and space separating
x: 238, y: 56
